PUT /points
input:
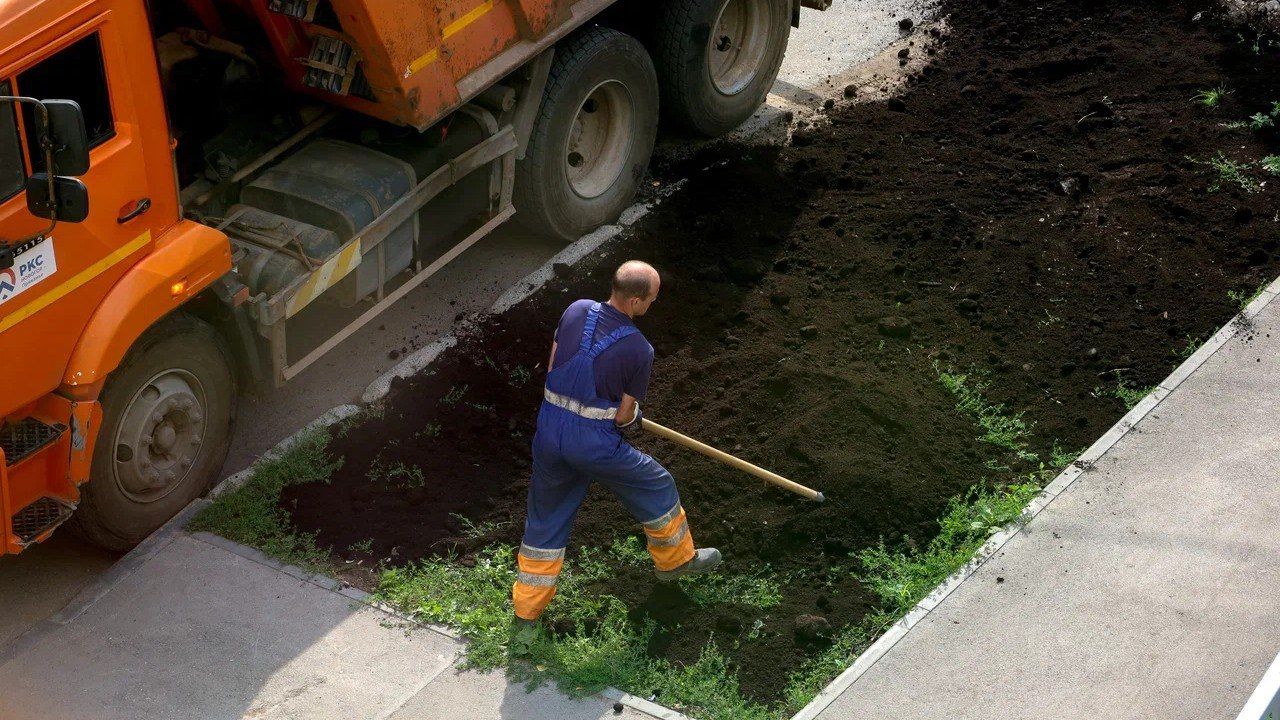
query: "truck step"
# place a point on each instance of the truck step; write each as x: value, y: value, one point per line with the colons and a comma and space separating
x: 26, y: 437
x: 39, y: 517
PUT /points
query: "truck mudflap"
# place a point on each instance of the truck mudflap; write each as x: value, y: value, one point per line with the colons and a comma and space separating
x: 496, y: 151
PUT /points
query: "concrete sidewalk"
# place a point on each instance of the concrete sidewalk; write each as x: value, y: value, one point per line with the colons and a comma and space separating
x: 1148, y: 586
x: 194, y: 627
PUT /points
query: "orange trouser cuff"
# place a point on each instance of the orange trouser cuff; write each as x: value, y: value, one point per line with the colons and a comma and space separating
x: 536, y: 577
x: 670, y: 542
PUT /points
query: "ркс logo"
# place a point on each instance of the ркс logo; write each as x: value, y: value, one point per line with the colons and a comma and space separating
x: 8, y: 283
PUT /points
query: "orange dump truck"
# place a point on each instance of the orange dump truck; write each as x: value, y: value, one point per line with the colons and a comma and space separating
x: 181, y: 179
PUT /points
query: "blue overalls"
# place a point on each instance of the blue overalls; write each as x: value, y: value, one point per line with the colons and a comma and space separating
x: 577, y: 442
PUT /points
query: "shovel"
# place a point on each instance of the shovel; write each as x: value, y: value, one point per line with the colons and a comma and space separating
x: 731, y: 461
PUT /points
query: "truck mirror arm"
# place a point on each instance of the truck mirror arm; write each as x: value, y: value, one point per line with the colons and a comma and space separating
x: 46, y: 148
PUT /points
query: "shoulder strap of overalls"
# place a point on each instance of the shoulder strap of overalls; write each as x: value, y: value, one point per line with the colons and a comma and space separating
x: 610, y: 339
x: 589, y: 328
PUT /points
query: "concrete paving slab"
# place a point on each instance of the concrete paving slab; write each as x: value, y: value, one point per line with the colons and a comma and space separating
x: 38, y: 582
x: 1146, y: 588
x: 198, y: 632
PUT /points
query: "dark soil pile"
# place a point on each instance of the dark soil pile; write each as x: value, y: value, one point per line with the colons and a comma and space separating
x: 1028, y: 207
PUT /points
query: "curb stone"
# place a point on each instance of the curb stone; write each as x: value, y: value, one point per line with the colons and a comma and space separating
x: 1100, y: 447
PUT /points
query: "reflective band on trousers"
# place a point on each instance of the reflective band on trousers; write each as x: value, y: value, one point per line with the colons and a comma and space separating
x: 670, y: 541
x: 534, y: 553
x: 663, y: 520
x: 537, y: 580
x: 578, y: 408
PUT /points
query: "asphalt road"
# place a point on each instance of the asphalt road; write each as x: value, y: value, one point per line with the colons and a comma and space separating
x: 821, y: 53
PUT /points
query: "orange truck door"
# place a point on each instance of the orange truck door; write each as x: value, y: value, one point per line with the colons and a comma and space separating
x: 47, y: 297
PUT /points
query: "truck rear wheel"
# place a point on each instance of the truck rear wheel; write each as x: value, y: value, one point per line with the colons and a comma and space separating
x: 166, y: 427
x: 717, y: 60
x: 593, y: 136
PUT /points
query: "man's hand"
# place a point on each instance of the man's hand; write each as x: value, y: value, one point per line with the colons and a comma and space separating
x: 630, y: 429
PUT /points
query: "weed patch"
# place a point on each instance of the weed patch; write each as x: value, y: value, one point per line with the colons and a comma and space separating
x: 1242, y: 298
x: 1124, y: 392
x: 595, y: 646
x: 250, y: 515
x: 1002, y: 429
x: 1228, y: 172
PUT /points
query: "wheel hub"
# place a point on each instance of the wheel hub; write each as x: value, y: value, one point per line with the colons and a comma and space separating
x: 599, y: 140
x: 736, y: 49
x: 159, y: 436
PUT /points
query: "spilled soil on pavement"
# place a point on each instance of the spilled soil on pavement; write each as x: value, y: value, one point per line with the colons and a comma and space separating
x: 1039, y: 205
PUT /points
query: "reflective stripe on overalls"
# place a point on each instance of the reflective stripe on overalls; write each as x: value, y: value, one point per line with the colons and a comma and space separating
x: 577, y: 443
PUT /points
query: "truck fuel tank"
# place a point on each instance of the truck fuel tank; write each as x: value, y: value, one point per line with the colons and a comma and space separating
x: 341, y: 187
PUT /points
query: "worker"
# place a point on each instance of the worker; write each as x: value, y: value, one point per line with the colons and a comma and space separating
x: 598, y: 374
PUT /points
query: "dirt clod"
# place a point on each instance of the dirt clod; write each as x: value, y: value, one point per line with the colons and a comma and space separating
x: 812, y: 627
x: 895, y: 327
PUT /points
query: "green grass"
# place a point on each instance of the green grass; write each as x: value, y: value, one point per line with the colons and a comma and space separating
x: 902, y: 578
x: 251, y: 516
x: 520, y: 376
x: 1229, y: 172
x: 401, y: 473
x: 1271, y: 164
x: 454, y: 395
x: 1242, y: 298
x: 1001, y: 428
x: 1212, y: 97
x: 761, y: 589
x: 603, y: 647
x: 472, y: 530
x: 1192, y: 345
x: 1128, y: 394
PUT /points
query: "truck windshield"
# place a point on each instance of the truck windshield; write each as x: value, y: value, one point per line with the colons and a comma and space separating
x: 11, y: 172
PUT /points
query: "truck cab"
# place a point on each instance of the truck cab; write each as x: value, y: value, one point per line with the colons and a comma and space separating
x: 72, y: 302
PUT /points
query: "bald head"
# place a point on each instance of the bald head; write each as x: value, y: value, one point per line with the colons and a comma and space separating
x: 635, y: 287
x: 634, y: 279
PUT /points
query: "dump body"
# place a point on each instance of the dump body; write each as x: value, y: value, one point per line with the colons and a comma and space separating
x: 412, y: 62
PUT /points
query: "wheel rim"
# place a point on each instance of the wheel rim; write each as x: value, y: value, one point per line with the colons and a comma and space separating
x: 600, y: 140
x: 159, y: 436
x: 736, y: 49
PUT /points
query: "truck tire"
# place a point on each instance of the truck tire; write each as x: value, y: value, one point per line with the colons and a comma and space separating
x: 166, y: 425
x: 592, y: 138
x: 717, y: 60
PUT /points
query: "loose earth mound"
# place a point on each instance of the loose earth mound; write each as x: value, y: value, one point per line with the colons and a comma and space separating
x: 1047, y: 204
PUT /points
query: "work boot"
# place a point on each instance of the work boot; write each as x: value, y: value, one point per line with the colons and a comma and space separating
x: 704, y: 560
x: 524, y: 635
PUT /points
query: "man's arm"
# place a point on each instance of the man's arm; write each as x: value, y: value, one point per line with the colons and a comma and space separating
x: 551, y: 360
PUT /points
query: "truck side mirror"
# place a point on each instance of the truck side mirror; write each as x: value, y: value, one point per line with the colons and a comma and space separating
x: 70, y: 140
x: 71, y: 198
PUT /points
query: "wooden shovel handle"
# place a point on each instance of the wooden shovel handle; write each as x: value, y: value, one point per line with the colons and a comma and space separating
x: 731, y: 461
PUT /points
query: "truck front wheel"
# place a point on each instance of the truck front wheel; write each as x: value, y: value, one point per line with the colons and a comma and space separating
x: 591, y: 142
x: 717, y: 60
x: 166, y: 427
